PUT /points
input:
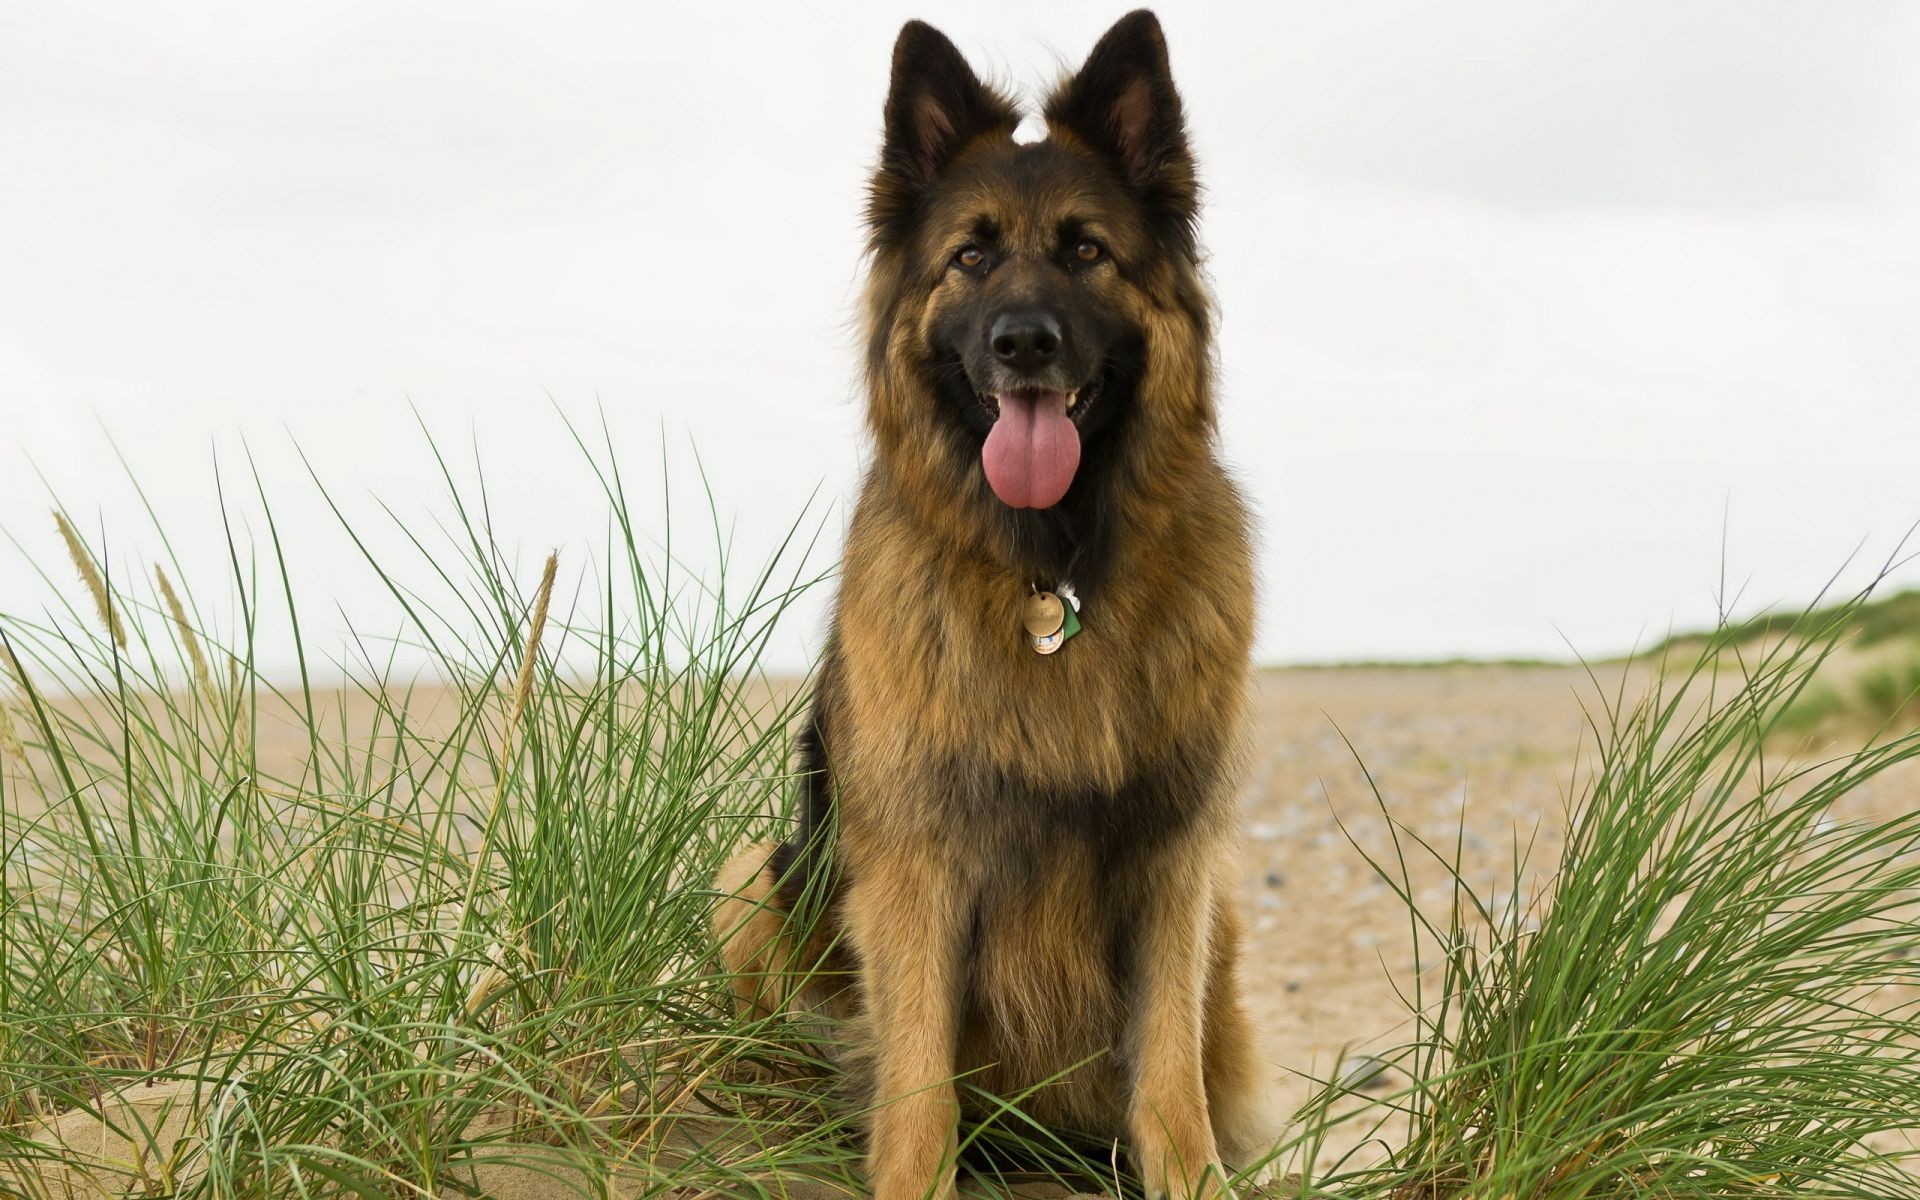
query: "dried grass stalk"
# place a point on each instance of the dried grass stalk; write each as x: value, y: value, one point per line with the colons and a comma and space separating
x: 10, y: 747
x: 202, y: 674
x: 90, y: 575
x: 523, y: 685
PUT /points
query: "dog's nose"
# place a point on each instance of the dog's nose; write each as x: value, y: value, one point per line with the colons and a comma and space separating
x: 1025, y: 339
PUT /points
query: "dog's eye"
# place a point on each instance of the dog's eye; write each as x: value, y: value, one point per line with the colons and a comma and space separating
x: 969, y: 258
x: 1088, y: 251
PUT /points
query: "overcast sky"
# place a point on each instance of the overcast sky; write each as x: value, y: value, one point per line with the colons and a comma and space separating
x: 1526, y: 307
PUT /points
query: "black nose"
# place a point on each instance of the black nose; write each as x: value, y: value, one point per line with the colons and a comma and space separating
x: 1025, y: 339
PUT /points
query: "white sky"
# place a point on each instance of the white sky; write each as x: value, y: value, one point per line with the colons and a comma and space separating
x: 1524, y: 304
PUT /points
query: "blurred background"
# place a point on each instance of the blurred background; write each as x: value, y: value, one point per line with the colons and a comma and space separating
x: 1546, y: 325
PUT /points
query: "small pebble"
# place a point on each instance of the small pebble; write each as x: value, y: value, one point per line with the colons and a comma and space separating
x: 1293, y: 985
x: 1274, y: 880
x: 1364, y: 1073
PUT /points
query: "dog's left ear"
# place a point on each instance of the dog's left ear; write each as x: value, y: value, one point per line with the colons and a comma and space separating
x: 1122, y: 103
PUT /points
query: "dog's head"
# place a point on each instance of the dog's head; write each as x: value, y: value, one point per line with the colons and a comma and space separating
x: 1034, y: 308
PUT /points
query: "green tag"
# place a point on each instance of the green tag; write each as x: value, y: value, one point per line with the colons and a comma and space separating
x: 1072, y: 625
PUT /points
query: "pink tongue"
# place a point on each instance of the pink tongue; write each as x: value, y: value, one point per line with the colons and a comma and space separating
x: 1032, y: 450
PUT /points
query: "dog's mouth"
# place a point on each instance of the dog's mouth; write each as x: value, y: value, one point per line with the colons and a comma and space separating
x: 1079, y: 401
x: 1033, y: 449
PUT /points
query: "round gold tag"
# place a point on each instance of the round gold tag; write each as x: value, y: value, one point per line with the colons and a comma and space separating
x: 1044, y: 614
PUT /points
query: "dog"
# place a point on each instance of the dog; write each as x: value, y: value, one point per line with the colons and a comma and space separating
x: 1018, y: 767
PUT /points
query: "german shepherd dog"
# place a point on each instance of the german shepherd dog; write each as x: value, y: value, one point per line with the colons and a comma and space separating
x: 1025, y: 829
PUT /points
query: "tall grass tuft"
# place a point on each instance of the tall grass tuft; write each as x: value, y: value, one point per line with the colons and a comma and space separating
x: 427, y: 935
x: 1715, y: 994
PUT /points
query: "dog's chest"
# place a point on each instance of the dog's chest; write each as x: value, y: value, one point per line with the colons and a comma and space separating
x: 957, y: 675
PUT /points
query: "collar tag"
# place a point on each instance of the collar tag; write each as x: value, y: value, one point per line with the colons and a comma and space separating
x: 1050, y: 618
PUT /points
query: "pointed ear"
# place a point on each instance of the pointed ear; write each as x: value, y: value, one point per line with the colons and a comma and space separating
x: 935, y: 106
x: 1123, y: 105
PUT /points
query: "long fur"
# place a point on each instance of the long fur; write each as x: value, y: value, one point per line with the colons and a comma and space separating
x: 1031, y: 856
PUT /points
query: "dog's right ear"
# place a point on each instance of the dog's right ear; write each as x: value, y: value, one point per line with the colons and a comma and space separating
x: 935, y: 106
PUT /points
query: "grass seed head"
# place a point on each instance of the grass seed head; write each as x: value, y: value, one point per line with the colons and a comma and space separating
x: 202, y: 674
x: 90, y: 575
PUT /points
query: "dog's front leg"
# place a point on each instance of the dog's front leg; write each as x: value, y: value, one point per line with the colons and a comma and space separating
x: 907, y: 913
x: 1173, y: 1142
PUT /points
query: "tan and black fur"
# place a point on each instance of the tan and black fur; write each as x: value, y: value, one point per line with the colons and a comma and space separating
x: 1030, y: 856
